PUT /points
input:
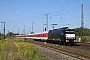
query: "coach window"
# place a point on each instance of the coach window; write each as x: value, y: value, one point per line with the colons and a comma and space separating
x: 42, y: 35
x: 39, y: 35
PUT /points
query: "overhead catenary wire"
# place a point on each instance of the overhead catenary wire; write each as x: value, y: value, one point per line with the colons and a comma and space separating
x: 37, y: 13
x: 60, y: 7
x: 20, y: 9
x: 72, y: 10
x: 63, y: 6
x: 30, y: 11
x: 71, y: 19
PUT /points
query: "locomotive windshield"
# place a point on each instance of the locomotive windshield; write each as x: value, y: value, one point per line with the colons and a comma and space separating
x: 70, y: 32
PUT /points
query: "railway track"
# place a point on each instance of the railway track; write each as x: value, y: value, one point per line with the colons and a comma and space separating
x: 73, y: 51
x: 82, y: 46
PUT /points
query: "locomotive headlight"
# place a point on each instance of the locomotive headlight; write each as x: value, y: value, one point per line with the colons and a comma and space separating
x: 62, y: 34
x: 67, y: 41
x: 74, y: 40
x: 66, y: 38
x: 73, y: 37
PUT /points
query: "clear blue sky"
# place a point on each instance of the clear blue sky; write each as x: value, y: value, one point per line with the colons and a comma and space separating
x: 17, y: 13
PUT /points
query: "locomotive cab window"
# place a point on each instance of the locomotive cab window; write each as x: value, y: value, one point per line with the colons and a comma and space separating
x: 70, y: 32
x: 61, y: 32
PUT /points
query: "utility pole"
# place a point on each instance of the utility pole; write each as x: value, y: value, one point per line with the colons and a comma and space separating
x: 32, y: 27
x: 30, y: 30
x: 24, y: 30
x: 17, y: 31
x: 46, y: 22
x: 43, y: 26
x: 82, y: 24
x: 53, y: 25
x: 4, y: 28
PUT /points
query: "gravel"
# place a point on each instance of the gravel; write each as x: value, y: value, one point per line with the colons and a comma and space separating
x: 53, y: 55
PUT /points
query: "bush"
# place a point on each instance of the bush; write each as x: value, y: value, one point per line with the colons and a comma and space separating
x: 2, y: 37
x: 86, y: 38
x: 29, y: 52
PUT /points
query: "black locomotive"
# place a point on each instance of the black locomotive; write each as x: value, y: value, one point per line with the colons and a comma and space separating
x: 62, y: 35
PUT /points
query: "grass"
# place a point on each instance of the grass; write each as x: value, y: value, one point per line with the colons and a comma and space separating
x: 29, y: 52
x: 16, y: 49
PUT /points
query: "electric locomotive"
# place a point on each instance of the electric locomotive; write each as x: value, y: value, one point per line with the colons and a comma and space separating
x: 62, y: 35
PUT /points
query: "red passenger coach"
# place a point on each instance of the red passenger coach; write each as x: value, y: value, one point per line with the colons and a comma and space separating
x: 42, y: 36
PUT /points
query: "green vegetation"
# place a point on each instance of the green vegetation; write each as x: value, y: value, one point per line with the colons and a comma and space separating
x: 11, y: 49
x: 29, y: 52
x: 86, y: 31
x: 4, y: 49
x: 86, y: 34
x: 86, y: 38
x: 2, y: 36
x: 10, y: 34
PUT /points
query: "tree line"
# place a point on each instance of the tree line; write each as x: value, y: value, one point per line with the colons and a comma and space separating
x: 2, y: 36
x: 86, y: 31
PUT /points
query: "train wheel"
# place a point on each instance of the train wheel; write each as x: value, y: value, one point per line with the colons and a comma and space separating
x: 72, y: 44
x: 61, y: 43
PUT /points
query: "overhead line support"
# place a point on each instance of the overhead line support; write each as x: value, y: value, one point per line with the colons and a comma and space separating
x: 82, y: 24
x: 4, y: 28
x: 46, y: 22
